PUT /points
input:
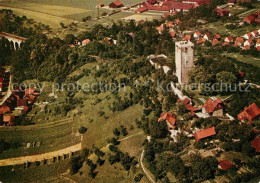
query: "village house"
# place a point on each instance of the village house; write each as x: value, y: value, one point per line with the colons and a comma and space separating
x: 204, y: 133
x: 222, y: 12
x: 249, y: 19
x: 213, y: 107
x: 8, y: 120
x: 197, y: 35
x: 141, y: 9
x: 224, y: 164
x: 187, y: 38
x: 215, y: 42
x: 248, y: 42
x: 207, y: 36
x: 255, y: 33
x: 239, y: 41
x: 159, y: 62
x: 217, y: 36
x: 249, y: 113
x: 248, y: 35
x: 116, y: 4
x: 257, y: 43
x: 85, y: 42
x: 170, y: 119
x: 229, y: 39
x: 201, y: 40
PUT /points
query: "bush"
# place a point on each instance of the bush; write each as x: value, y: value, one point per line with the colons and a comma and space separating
x: 83, y: 130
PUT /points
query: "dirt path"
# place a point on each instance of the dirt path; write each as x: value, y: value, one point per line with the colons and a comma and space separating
x: 144, y: 169
x: 39, y: 157
x: 136, y: 134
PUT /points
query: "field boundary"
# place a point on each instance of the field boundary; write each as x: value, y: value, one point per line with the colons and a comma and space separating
x: 39, y: 126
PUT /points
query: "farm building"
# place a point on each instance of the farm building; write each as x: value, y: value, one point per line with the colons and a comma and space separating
x: 204, y: 133
x: 116, y: 4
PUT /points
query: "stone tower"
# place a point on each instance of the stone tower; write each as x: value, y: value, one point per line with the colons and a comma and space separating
x: 183, y: 60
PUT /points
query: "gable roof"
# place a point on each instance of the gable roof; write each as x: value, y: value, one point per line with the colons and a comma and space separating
x: 212, y: 105
x: 230, y: 38
x: 205, y: 133
x: 171, y: 118
x: 214, y: 42
x: 187, y: 38
x: 250, y: 112
x: 224, y: 164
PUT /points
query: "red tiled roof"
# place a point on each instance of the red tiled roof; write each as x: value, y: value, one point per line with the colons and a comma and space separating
x: 205, y: 133
x: 22, y: 102
x: 215, y: 41
x: 230, y: 38
x: 231, y: 1
x: 247, y: 47
x: 187, y: 38
x: 5, y: 109
x: 118, y: 3
x: 165, y: 15
x: 239, y: 40
x: 217, y: 36
x: 201, y: 40
x: 212, y: 106
x: 225, y: 164
x: 198, y: 33
x: 258, y: 48
x: 172, y: 34
x: 249, y: 19
x: 171, y: 118
x: 85, y: 42
x: 142, y: 9
x: 256, y: 144
x: 9, y: 119
x: 29, y: 91
x: 250, y: 112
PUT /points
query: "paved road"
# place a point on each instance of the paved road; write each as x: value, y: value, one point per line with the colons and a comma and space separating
x: 39, y: 157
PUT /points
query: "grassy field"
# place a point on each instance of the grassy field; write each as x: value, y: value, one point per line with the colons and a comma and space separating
x: 53, y: 12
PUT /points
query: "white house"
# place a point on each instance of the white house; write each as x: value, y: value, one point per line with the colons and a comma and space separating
x: 247, y: 35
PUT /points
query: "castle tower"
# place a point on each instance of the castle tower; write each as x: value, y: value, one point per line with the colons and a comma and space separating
x: 183, y: 60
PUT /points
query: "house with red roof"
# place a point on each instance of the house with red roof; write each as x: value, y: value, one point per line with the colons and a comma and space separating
x: 249, y: 19
x: 231, y: 3
x: 255, y: 33
x: 224, y: 164
x: 170, y: 119
x: 248, y: 42
x: 217, y: 36
x: 201, y: 40
x: 4, y: 109
x: 239, y: 41
x: 85, y: 42
x: 250, y: 113
x: 116, y: 4
x: 204, y: 133
x: 187, y: 38
x: 215, y: 42
x: 248, y: 35
x: 257, y: 43
x: 8, y: 119
x: 207, y: 36
x: 213, y: 107
x: 229, y: 39
x: 222, y: 12
x: 197, y: 35
x: 173, y: 34
x: 256, y: 144
x: 142, y: 9
x: 225, y: 43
